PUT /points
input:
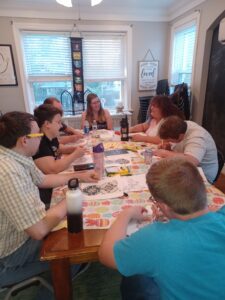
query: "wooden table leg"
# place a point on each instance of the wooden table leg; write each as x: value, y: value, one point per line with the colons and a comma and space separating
x: 61, y: 277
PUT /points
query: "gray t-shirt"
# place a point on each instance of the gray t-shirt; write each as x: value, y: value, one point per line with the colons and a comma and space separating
x: 199, y: 143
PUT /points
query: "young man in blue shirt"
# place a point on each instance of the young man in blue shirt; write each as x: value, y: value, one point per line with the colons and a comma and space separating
x: 181, y: 259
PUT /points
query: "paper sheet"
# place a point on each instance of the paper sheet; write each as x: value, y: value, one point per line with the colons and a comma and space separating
x: 134, y: 183
x: 106, y: 188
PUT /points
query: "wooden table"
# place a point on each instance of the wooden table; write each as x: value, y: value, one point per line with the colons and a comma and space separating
x: 62, y: 249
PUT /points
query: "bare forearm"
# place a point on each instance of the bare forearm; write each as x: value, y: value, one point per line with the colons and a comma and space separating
x: 55, y: 180
x: 137, y: 128
x: 152, y: 139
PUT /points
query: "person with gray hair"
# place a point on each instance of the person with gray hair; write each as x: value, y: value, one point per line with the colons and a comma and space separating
x: 183, y: 258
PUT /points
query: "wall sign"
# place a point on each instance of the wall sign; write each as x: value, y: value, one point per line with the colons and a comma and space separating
x: 148, y: 75
x: 7, y: 66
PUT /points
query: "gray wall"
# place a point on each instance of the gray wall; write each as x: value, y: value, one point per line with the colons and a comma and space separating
x: 144, y: 37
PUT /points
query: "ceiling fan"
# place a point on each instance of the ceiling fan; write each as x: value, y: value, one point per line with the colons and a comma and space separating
x: 68, y: 3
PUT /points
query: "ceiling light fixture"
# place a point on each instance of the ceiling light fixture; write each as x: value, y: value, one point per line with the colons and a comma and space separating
x: 67, y: 3
x: 95, y: 2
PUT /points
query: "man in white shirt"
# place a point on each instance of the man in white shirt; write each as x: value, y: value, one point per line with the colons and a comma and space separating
x: 191, y: 141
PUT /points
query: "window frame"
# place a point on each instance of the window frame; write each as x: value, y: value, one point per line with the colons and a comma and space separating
x: 179, y: 26
x: 26, y: 82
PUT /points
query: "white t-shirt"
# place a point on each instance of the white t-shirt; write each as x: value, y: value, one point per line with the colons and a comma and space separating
x: 199, y: 143
x: 153, y: 127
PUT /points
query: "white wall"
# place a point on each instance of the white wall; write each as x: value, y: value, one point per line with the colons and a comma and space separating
x: 210, y: 12
x: 153, y: 35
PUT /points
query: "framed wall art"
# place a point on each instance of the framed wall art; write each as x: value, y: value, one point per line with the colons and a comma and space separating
x: 148, y: 75
x: 7, y: 66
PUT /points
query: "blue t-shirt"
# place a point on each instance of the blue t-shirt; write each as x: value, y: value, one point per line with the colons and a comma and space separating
x: 185, y: 258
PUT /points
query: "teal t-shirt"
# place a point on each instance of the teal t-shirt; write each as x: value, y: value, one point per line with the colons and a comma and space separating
x: 185, y: 258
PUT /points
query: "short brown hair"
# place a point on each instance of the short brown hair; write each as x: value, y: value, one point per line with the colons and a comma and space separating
x: 172, y: 127
x: 177, y: 183
x: 46, y: 112
x: 13, y: 125
x: 50, y: 100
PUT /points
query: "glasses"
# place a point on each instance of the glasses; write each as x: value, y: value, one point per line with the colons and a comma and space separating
x: 34, y: 135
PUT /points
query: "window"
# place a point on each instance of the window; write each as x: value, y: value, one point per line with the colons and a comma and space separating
x: 47, y: 58
x: 183, y: 50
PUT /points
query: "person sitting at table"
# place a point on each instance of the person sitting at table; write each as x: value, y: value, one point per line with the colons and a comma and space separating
x: 190, y: 141
x: 159, y: 108
x: 48, y: 157
x: 71, y: 135
x: 183, y: 258
x: 96, y: 112
x: 24, y: 222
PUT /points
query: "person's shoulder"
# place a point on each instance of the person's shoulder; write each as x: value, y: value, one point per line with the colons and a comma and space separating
x: 106, y: 111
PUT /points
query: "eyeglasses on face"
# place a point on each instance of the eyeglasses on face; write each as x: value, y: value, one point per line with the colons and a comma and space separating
x: 34, y: 135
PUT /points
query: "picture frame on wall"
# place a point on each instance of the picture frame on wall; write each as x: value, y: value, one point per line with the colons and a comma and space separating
x: 148, y: 75
x: 7, y: 66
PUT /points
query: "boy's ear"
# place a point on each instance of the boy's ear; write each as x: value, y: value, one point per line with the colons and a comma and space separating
x: 22, y: 141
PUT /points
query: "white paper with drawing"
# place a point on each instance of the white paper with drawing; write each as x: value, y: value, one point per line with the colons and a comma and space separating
x: 134, y: 183
x: 117, y: 160
x: 107, y: 188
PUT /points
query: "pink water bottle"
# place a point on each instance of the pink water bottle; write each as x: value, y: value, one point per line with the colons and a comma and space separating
x: 98, y: 158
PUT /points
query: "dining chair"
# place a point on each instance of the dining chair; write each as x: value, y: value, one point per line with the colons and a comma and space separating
x: 11, y: 290
x: 220, y: 158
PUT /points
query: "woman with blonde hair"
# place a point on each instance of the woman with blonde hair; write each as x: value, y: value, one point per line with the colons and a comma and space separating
x: 96, y: 112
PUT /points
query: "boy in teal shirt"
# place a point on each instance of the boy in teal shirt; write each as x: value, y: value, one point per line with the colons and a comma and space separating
x: 182, y: 259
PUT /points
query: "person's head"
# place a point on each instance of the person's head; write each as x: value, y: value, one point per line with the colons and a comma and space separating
x: 173, y: 129
x: 94, y: 106
x: 49, y: 119
x: 19, y: 130
x: 53, y: 101
x: 177, y: 186
x: 162, y: 107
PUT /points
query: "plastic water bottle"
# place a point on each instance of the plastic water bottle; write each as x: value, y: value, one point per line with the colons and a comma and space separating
x: 98, y: 158
x: 94, y: 128
x: 74, y: 201
x: 86, y: 127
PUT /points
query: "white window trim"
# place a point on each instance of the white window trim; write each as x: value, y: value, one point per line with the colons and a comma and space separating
x: 179, y: 25
x: 27, y: 91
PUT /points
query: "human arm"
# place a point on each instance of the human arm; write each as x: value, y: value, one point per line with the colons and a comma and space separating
x: 166, y: 153
x: 83, y: 118
x: 146, y: 139
x: 48, y: 164
x: 139, y: 127
x: 117, y: 232
x: 108, y: 120
x: 55, y: 180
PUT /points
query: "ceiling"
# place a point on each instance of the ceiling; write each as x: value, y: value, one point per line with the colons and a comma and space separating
x: 123, y: 10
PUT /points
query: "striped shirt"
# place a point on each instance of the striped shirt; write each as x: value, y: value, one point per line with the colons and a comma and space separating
x: 20, y: 204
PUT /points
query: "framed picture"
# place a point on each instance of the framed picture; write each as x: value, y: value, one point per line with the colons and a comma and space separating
x: 148, y: 75
x: 7, y: 66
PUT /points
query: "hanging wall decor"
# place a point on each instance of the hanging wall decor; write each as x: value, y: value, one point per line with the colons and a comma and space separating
x: 148, y: 75
x: 77, y: 68
x: 7, y: 66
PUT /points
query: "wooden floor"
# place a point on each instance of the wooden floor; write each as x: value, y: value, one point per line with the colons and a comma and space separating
x: 220, y: 183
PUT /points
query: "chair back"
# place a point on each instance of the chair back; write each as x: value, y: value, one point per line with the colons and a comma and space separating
x: 144, y: 103
x: 220, y: 164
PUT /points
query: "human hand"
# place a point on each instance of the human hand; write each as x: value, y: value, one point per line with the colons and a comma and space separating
x: 138, y: 213
x: 79, y: 134
x: 165, y: 146
x: 161, y: 153
x: 89, y: 176
x: 138, y: 138
x: 79, y: 151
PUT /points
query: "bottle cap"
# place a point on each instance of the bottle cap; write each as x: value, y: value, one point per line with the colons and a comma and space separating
x: 73, y: 184
x: 98, y: 148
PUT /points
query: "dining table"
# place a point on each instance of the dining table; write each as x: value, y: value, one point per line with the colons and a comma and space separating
x: 62, y: 249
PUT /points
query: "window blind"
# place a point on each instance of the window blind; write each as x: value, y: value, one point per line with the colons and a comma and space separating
x: 47, y: 54
x: 183, y: 52
x: 103, y: 57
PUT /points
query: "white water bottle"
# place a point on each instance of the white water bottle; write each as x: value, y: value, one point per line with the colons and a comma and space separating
x: 94, y: 127
x: 74, y: 201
